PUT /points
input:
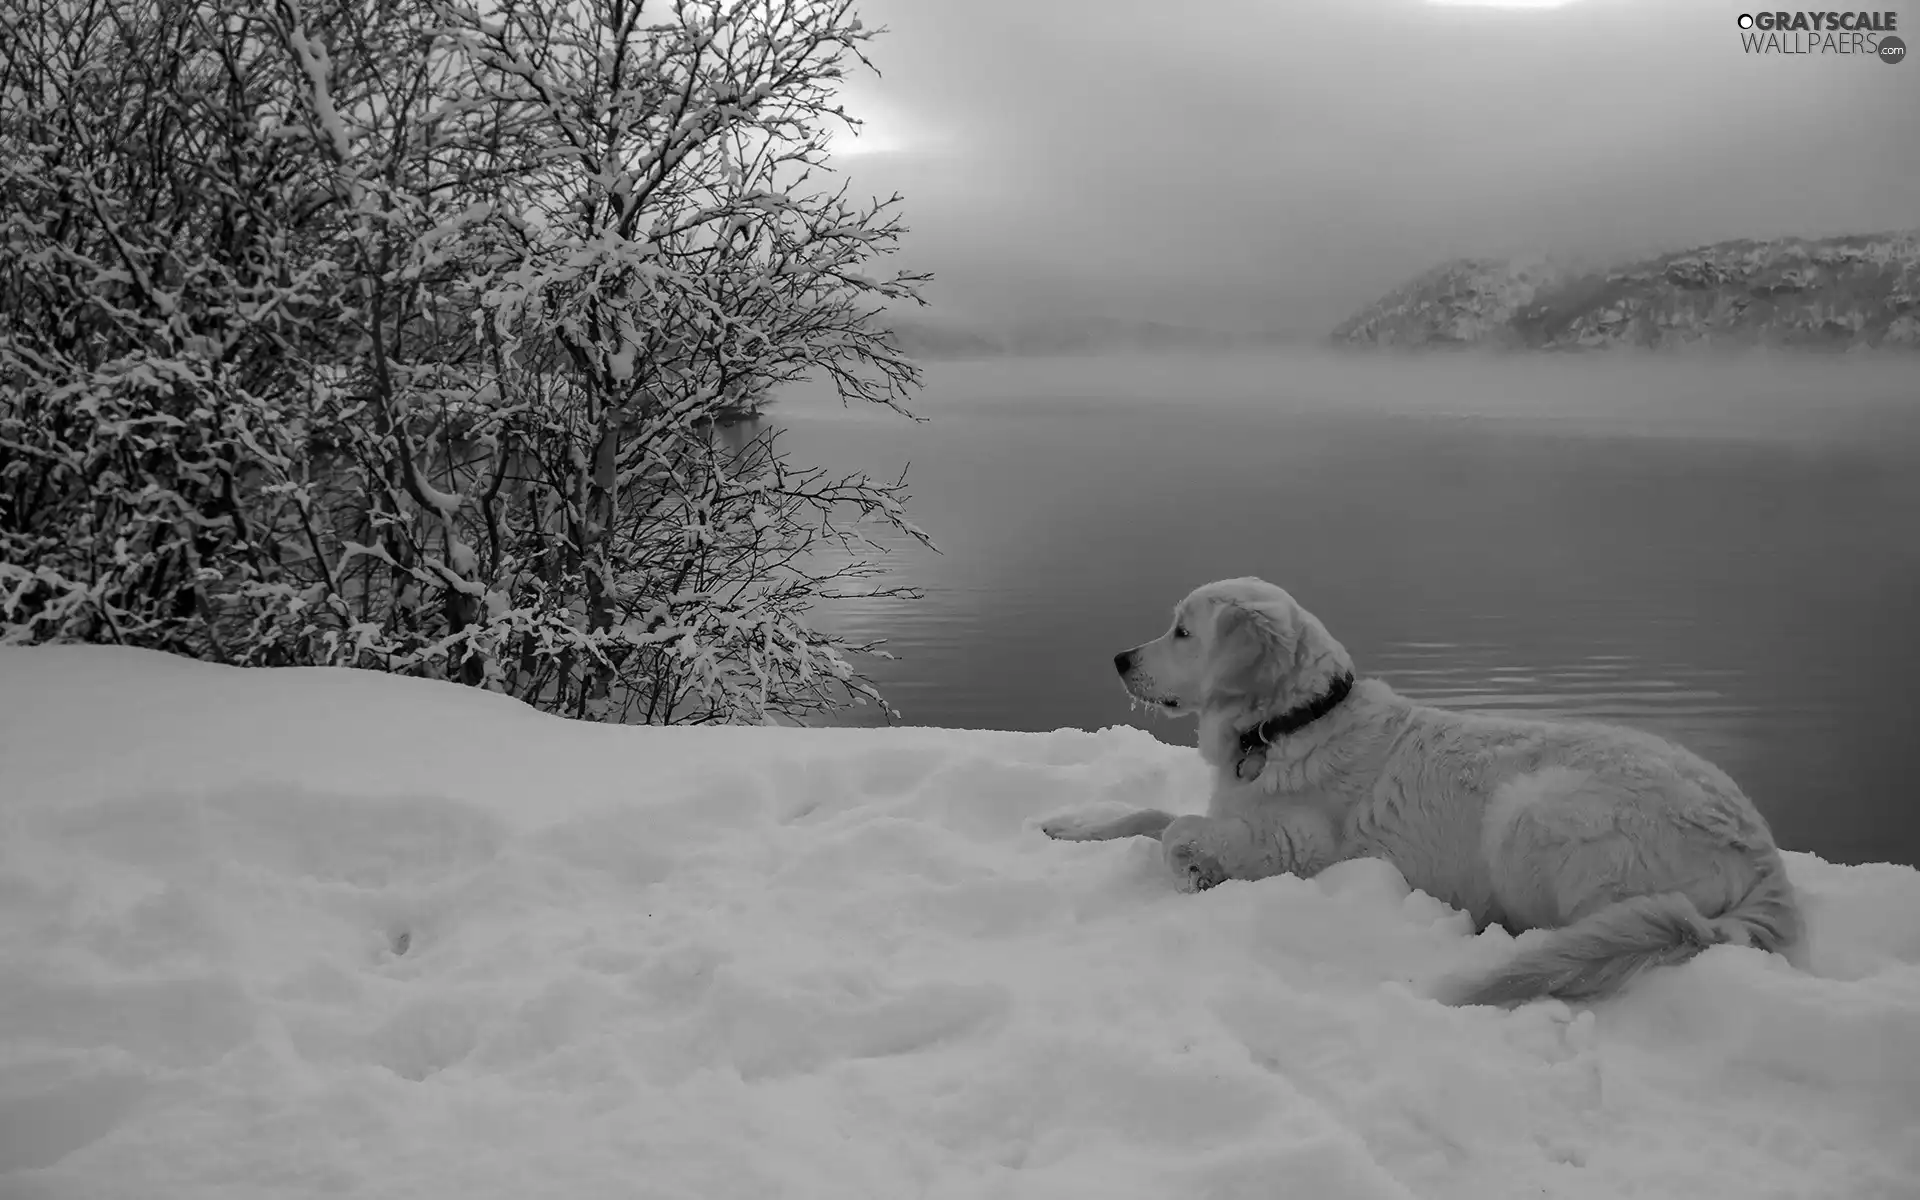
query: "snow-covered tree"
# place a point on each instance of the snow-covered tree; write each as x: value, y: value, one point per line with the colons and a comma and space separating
x: 400, y: 334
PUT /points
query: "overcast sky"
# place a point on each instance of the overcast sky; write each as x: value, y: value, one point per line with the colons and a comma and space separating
x: 1275, y: 163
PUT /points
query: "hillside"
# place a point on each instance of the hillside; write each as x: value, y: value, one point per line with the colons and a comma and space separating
x: 1825, y: 293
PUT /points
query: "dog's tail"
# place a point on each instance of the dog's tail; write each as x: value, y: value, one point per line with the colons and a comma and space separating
x: 1600, y: 953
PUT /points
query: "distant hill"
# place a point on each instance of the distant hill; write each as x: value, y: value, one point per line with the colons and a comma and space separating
x: 1820, y: 293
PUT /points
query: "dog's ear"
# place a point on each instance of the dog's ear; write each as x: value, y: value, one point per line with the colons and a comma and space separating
x: 1251, y: 654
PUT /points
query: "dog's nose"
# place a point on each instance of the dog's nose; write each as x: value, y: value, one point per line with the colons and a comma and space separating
x: 1122, y: 661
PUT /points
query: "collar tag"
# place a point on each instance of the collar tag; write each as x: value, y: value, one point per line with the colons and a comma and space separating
x: 1250, y: 765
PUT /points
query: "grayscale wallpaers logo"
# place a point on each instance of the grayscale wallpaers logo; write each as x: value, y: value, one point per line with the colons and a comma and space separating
x: 1866, y: 34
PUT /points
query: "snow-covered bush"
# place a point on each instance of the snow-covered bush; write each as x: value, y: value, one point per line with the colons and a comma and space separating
x: 400, y: 334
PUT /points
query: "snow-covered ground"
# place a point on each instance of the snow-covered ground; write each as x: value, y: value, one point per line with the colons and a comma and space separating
x: 312, y: 933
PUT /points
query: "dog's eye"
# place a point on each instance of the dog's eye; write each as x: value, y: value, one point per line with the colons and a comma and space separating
x: 1180, y: 631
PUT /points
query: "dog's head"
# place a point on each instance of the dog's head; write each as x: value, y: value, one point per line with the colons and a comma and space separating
x: 1237, y: 645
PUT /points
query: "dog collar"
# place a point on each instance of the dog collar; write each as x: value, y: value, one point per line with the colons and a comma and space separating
x: 1254, y: 742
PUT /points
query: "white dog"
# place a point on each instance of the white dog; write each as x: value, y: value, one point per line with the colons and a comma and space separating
x: 1636, y: 851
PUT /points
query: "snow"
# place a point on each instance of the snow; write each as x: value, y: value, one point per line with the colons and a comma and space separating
x: 320, y: 932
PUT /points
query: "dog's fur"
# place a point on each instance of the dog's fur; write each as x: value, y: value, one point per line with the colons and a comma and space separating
x: 1635, y: 851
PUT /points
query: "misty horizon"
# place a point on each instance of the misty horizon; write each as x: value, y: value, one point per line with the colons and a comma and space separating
x: 1271, y: 168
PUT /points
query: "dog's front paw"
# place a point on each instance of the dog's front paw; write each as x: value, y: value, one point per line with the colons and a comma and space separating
x: 1194, y: 870
x: 1076, y: 827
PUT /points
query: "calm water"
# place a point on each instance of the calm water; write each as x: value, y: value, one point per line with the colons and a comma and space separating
x: 1727, y: 553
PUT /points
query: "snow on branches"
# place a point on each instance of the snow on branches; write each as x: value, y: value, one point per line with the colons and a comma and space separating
x: 402, y: 336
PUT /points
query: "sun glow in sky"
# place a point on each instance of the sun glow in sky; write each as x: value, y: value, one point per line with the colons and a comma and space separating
x: 883, y: 130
